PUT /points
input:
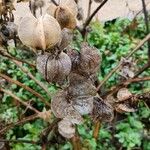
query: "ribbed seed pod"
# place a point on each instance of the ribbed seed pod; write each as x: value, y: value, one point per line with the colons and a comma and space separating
x: 80, y: 86
x: 89, y: 60
x: 65, y: 17
x: 66, y: 128
x: 40, y: 34
x: 83, y: 104
x: 102, y: 110
x: 54, y: 69
x: 66, y: 38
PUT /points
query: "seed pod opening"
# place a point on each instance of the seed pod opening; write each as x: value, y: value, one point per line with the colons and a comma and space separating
x: 66, y: 128
x: 42, y: 33
x: 54, y: 69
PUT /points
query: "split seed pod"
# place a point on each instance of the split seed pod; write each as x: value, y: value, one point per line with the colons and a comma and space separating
x: 66, y: 128
x: 43, y: 33
x: 54, y: 69
x: 102, y: 110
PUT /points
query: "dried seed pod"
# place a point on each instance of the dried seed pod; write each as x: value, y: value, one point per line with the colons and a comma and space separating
x: 66, y: 38
x: 54, y: 69
x: 66, y: 128
x: 122, y: 108
x: 65, y: 17
x: 80, y: 86
x: 71, y: 4
x: 102, y: 110
x: 83, y: 104
x: 59, y: 104
x: 123, y: 94
x: 73, y: 115
x: 42, y: 33
x: 89, y: 60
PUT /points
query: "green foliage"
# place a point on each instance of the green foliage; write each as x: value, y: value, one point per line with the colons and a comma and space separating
x: 113, y: 43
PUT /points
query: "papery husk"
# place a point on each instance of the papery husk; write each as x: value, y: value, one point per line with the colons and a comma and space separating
x: 40, y: 34
x: 83, y: 104
x: 123, y: 108
x: 51, y: 9
x: 102, y: 111
x: 59, y: 104
x: 66, y: 128
x: 123, y: 94
x: 65, y: 17
x: 54, y: 69
x: 80, y: 86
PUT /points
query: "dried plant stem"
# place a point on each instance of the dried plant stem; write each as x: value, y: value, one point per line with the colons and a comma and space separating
x: 54, y: 2
x: 88, y: 20
x: 76, y: 143
x: 24, y: 120
x: 120, y: 63
x: 14, y: 58
x: 97, y: 127
x: 19, y: 100
x: 89, y: 8
x: 25, y: 87
x: 32, y: 77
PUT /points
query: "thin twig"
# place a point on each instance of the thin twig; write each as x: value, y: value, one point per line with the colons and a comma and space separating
x: 54, y: 2
x: 32, y: 77
x: 25, y: 87
x: 97, y: 127
x: 146, y: 24
x: 14, y: 58
x: 120, y: 63
x: 24, y: 120
x: 89, y: 8
x: 19, y: 100
x: 88, y: 20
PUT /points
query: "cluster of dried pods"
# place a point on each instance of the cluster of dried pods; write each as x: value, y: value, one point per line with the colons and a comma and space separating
x: 75, y: 71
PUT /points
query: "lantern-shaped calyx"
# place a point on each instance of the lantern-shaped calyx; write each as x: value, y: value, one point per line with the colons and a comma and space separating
x: 40, y: 34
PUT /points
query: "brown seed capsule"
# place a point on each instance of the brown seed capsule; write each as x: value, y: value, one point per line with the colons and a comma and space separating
x: 66, y: 128
x: 40, y: 34
x: 65, y: 17
x: 89, y: 60
x: 80, y: 86
x: 102, y: 110
x: 83, y: 104
x: 54, y: 69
